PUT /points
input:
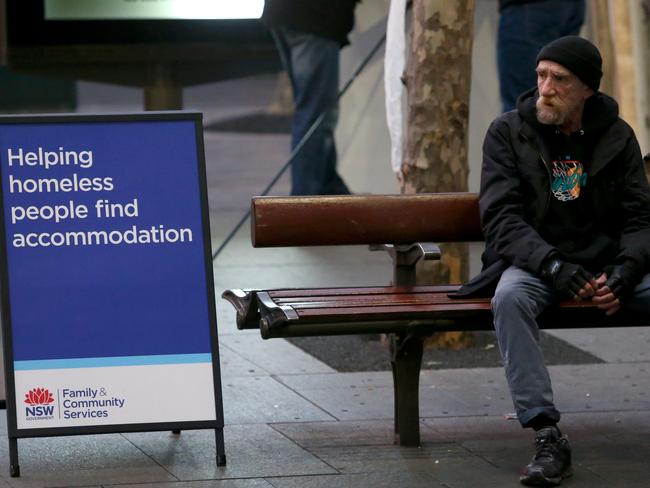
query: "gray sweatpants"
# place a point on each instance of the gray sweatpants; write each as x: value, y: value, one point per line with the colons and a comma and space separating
x: 520, y: 297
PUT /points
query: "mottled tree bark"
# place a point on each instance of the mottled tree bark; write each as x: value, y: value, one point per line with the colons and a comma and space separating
x: 601, y: 34
x: 612, y: 28
x: 438, y: 78
x: 282, y: 102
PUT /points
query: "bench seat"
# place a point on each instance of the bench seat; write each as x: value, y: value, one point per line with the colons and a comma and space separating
x: 298, y: 312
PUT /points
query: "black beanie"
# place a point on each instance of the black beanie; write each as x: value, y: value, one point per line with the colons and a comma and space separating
x: 578, y: 55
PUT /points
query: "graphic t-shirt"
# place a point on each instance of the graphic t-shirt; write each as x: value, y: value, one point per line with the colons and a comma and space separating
x: 568, y: 178
x: 569, y: 224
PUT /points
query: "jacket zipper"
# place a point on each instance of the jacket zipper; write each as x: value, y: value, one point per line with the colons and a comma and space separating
x: 550, y: 179
x: 548, y: 173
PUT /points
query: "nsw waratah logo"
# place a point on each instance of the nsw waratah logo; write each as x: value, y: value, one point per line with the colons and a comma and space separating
x: 39, y: 396
x: 39, y: 402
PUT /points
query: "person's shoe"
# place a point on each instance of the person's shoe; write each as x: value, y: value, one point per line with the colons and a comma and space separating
x: 552, y: 460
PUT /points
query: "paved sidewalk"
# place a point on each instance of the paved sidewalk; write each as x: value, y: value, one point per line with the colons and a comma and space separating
x: 294, y: 422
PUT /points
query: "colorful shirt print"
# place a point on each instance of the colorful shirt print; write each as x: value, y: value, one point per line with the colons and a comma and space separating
x: 569, y: 176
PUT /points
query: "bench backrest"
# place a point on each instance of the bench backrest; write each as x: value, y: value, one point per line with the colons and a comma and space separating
x: 365, y: 219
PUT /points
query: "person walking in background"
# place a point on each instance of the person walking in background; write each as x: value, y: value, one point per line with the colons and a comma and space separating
x: 524, y: 27
x: 309, y: 36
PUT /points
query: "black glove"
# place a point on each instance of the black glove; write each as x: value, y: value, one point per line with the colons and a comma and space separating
x: 566, y: 278
x: 622, y: 278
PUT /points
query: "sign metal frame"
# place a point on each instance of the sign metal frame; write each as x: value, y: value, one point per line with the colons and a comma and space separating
x: 13, y: 432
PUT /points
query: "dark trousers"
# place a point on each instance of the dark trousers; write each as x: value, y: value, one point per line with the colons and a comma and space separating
x: 523, y: 30
x: 312, y: 63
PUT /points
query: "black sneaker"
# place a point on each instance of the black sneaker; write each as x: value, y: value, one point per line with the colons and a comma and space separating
x: 552, y: 460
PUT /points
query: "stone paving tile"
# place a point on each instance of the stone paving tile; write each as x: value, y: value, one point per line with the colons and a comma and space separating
x: 479, y: 391
x: 347, y: 396
x: 463, y: 429
x: 482, y: 402
x: 311, y: 435
x: 602, y: 387
x: 604, y: 444
x: 243, y: 255
x: 353, y: 396
x: 614, y: 345
x: 242, y: 266
x: 618, y: 423
x: 274, y: 356
x: 234, y: 365
x: 368, y: 379
x: 253, y: 451
x: 243, y: 483
x: 503, y: 443
x: 261, y: 399
x: 80, y: 461
x: 442, y: 464
x: 286, y: 274
x: 630, y: 373
x: 222, y: 223
x: 474, y: 472
x: 485, y: 451
x: 405, y: 478
x: 388, y: 457
x: 586, y: 473
x: 369, y: 395
x: 464, y: 380
x: 239, y: 166
x: 353, y: 403
x: 621, y: 475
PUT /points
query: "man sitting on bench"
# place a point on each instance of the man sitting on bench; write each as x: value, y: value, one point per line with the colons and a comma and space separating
x: 565, y: 209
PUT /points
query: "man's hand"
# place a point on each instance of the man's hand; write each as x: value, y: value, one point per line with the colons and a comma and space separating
x: 604, y: 297
x: 624, y: 277
x: 569, y: 279
x: 619, y: 284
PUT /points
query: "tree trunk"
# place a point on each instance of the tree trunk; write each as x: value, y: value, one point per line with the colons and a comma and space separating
x: 282, y: 102
x: 438, y: 78
x: 623, y: 41
x: 601, y: 34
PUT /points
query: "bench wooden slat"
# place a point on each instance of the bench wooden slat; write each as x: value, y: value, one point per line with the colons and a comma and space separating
x: 365, y: 290
x: 346, y: 311
x: 363, y: 219
x: 422, y: 310
x: 369, y: 301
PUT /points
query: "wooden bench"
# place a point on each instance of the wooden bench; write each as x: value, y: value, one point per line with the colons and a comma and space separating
x: 407, y: 227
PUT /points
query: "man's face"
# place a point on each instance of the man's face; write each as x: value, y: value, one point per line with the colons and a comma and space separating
x: 562, y: 95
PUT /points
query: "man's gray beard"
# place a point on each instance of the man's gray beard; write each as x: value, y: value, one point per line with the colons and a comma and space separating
x: 549, y: 116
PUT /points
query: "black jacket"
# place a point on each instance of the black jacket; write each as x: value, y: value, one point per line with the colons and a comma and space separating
x: 515, y: 189
x: 332, y: 19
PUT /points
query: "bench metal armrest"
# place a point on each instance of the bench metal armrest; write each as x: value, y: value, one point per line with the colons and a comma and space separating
x: 245, y: 303
x: 406, y: 256
x: 273, y: 315
x: 409, y: 254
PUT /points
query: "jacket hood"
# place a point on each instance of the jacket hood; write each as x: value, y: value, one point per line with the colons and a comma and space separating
x: 599, y: 113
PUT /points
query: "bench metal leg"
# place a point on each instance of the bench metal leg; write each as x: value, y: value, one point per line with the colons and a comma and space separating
x: 406, y: 360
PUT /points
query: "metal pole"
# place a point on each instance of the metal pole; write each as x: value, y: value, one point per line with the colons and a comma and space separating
x: 221, y: 449
x: 302, y: 142
x: 14, y: 468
